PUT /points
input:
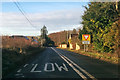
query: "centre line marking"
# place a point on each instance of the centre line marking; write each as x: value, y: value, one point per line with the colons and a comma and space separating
x: 76, y: 70
x: 65, y: 59
x: 80, y: 68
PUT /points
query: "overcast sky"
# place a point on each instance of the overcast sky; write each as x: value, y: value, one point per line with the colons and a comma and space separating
x: 56, y: 16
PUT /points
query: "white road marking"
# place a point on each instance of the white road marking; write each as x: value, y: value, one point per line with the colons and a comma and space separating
x: 18, y: 74
x: 25, y: 65
x: 52, y: 68
x: 76, y: 70
x: 19, y: 70
x: 33, y: 69
x: 92, y: 77
x: 65, y: 59
x: 61, y: 67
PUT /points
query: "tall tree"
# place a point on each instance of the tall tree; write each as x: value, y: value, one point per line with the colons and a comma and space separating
x: 98, y: 20
x: 43, y: 35
x: 45, y: 40
x: 44, y: 32
x: 74, y: 31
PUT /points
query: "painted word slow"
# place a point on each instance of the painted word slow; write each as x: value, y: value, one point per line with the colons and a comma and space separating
x: 50, y: 67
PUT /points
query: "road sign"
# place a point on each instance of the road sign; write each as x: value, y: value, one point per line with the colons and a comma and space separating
x: 86, y: 39
x: 85, y: 42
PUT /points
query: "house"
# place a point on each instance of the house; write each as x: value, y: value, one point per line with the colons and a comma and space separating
x: 74, y: 42
x: 63, y: 45
x: 77, y: 46
x: 60, y: 45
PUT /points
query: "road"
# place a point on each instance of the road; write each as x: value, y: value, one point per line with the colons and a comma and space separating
x: 58, y: 63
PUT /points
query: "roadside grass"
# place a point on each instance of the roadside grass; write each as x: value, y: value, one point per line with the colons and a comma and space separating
x: 107, y: 57
x: 12, y: 59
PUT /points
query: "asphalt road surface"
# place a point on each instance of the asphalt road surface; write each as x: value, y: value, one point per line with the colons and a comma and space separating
x: 58, y: 63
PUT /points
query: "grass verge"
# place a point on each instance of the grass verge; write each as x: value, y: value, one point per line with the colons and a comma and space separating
x: 11, y: 59
x: 107, y: 57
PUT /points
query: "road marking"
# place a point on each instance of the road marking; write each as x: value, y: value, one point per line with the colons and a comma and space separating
x: 33, y: 69
x: 19, y: 70
x: 52, y: 66
x: 76, y: 70
x: 92, y: 77
x: 25, y: 65
x: 65, y: 59
x: 46, y: 66
x: 18, y: 74
x: 61, y: 67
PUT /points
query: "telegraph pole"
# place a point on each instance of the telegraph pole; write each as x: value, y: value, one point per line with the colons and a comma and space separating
x: 67, y: 37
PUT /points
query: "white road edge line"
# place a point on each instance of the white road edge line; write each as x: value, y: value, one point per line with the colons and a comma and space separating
x: 92, y: 77
x: 76, y: 70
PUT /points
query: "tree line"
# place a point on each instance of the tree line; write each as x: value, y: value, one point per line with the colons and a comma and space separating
x: 102, y: 21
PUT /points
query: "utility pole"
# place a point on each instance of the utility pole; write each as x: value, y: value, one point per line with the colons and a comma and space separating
x: 67, y: 37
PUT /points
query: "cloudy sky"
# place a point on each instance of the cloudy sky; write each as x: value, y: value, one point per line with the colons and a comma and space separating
x: 56, y: 16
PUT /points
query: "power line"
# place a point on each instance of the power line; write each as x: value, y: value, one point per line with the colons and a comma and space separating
x: 23, y: 13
